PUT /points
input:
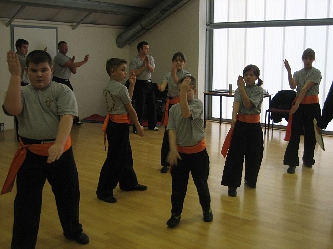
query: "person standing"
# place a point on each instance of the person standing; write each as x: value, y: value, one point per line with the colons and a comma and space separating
x: 143, y: 66
x: 170, y: 80
x: 64, y: 66
x: 306, y: 108
x: 188, y: 151
x: 45, y: 111
x: 247, y: 137
x: 118, y: 165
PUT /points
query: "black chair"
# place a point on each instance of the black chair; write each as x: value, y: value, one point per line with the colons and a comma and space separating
x: 279, y: 107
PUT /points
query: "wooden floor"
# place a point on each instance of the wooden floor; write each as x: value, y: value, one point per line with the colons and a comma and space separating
x: 285, y: 211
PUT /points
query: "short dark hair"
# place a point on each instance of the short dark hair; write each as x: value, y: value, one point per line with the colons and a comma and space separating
x: 114, y: 63
x: 309, y: 52
x: 193, y: 81
x: 61, y: 42
x: 38, y: 56
x: 20, y: 42
x: 141, y: 44
x: 179, y: 54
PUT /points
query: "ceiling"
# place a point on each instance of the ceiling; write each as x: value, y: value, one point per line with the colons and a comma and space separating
x: 135, y: 16
x: 121, y: 13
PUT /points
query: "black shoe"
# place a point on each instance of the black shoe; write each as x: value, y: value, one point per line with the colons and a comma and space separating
x: 79, y: 123
x: 308, y: 166
x: 154, y: 129
x: 291, y: 170
x: 232, y: 191
x: 165, y: 169
x: 108, y: 199
x: 250, y: 185
x: 82, y: 238
x: 174, y: 220
x: 208, y: 215
x: 138, y: 187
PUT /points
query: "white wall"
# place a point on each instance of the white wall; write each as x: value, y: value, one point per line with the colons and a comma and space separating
x: 89, y: 82
x: 183, y: 31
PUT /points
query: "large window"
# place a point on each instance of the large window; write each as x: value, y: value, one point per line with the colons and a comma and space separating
x: 266, y: 33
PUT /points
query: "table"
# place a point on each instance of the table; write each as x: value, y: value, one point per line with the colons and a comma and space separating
x: 223, y: 94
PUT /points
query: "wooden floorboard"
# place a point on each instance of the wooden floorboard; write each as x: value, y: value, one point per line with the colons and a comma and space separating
x: 285, y: 211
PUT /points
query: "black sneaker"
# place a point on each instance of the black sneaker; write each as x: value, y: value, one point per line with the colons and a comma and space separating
x: 108, y: 199
x: 81, y: 238
x: 165, y: 169
x: 232, y: 191
x: 173, y: 221
x: 291, y: 170
x: 306, y: 165
x: 79, y: 123
x: 138, y: 187
x: 250, y: 185
x: 208, y: 215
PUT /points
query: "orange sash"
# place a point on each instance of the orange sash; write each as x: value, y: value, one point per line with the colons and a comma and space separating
x: 165, y: 117
x: 20, y: 155
x: 227, y: 142
x: 117, y: 118
x: 192, y: 149
x: 307, y: 99
x: 254, y: 118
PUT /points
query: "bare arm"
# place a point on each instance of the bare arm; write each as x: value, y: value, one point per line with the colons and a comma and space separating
x: 64, y: 129
x: 134, y: 118
x: 235, y: 109
x: 12, y: 102
x: 148, y: 65
x: 292, y: 81
x: 161, y: 87
x: 73, y: 65
x: 301, y: 95
x: 241, y: 86
x: 132, y: 80
x: 184, y: 107
x: 173, y: 155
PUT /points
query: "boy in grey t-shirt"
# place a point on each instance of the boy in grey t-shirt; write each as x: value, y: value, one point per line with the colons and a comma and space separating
x: 188, y: 151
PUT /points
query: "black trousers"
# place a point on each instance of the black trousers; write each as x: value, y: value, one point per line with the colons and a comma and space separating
x: 165, y: 146
x: 302, y: 118
x: 118, y: 166
x: 247, y: 141
x: 63, y: 178
x: 144, y: 94
x: 67, y: 83
x: 198, y: 165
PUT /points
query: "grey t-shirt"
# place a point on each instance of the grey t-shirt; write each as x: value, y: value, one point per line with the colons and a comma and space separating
x: 304, y: 75
x: 42, y: 109
x: 138, y: 63
x: 189, y: 131
x: 255, y: 94
x: 116, y: 97
x: 58, y: 69
x: 172, y: 85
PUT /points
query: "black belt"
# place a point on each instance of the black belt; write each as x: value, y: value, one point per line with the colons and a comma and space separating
x: 34, y: 141
x: 143, y: 81
x: 57, y: 79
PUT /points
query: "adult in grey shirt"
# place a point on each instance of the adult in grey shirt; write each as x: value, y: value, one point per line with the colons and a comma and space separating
x: 143, y: 65
x: 64, y: 66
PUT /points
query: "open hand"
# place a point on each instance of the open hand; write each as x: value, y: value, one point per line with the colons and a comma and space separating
x: 14, y: 65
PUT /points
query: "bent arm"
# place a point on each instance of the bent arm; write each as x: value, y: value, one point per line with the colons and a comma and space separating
x: 12, y: 103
